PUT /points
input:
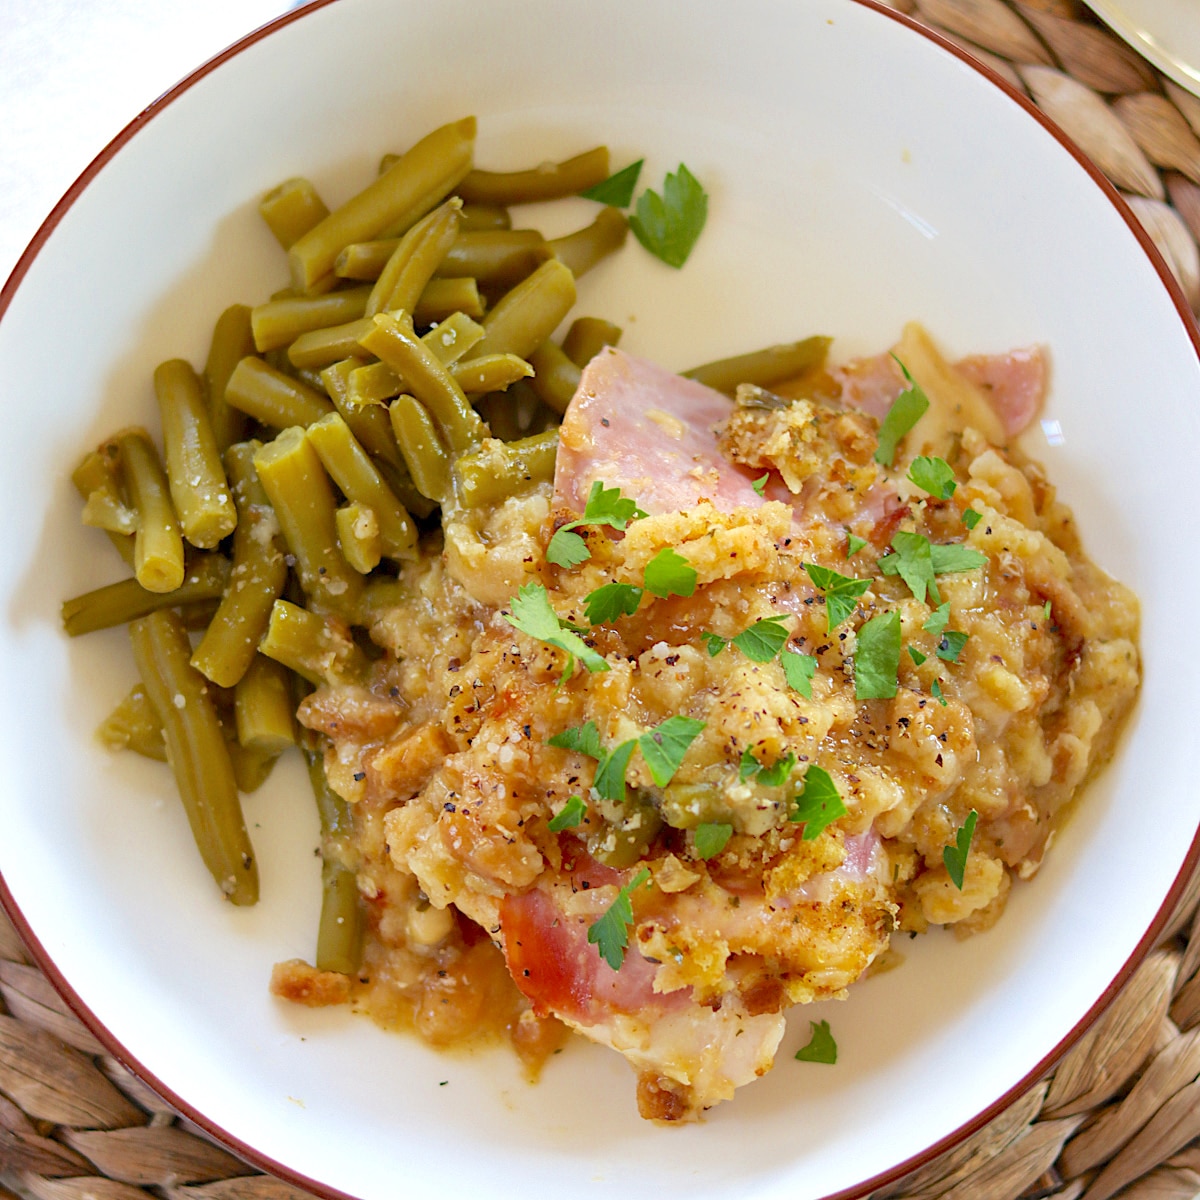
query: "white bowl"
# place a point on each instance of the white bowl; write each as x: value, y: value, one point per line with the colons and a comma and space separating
x: 861, y: 174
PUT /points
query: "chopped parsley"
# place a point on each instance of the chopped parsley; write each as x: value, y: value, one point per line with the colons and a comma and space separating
x: 955, y: 857
x: 798, y: 670
x: 584, y: 738
x: 668, y: 573
x: 610, y: 601
x: 933, y: 475
x: 936, y: 691
x: 854, y: 544
x: 760, y: 484
x: 669, y: 224
x: 711, y: 838
x: 906, y: 410
x: 773, y: 776
x: 877, y: 658
x: 954, y: 556
x: 664, y: 746
x: 570, y: 815
x: 605, y: 506
x: 762, y: 640
x: 1046, y: 611
x: 937, y: 619
x: 714, y: 642
x: 610, y: 932
x: 950, y: 647
x: 533, y: 615
x: 617, y: 189
x: 609, y: 780
x: 971, y: 518
x: 821, y: 1047
x: 912, y: 560
x: 818, y: 803
x: 842, y: 592
x: 916, y: 655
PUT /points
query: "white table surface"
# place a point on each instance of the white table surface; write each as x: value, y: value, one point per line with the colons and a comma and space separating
x: 73, y: 73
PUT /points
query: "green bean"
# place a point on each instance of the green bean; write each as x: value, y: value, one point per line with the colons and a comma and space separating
x: 251, y: 768
x: 323, y: 347
x: 443, y: 298
x: 273, y: 398
x: 98, y: 481
x: 256, y: 580
x: 232, y: 340
x: 358, y: 536
x: 478, y: 217
x: 490, y: 373
x: 302, y: 497
x: 496, y: 258
x: 292, y: 209
x: 452, y: 338
x: 280, y: 322
x: 373, y: 384
x: 197, y: 752
x: 762, y: 367
x: 497, y: 469
x: 587, y: 337
x: 364, y: 260
x: 555, y: 376
x: 339, y: 934
x: 315, y: 648
x: 263, y: 707
x: 158, y: 546
x: 393, y: 341
x: 426, y: 457
x: 548, y: 181
x: 199, y: 490
x: 404, y: 193
x: 119, y: 603
x: 417, y: 256
x: 584, y: 248
x: 381, y: 596
x: 132, y: 725
x: 526, y: 316
x: 352, y: 470
x: 386, y: 161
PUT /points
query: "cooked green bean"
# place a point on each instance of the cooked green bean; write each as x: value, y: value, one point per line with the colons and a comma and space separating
x: 199, y: 490
x: 364, y: 260
x: 372, y: 385
x: 405, y: 192
x: 359, y: 537
x: 132, y: 725
x: 339, y: 934
x: 158, y: 545
x: 232, y: 340
x: 497, y: 469
x: 323, y: 347
x: 555, y: 376
x: 419, y: 442
x: 98, y: 481
x: 315, y: 648
x: 352, y: 470
x: 496, y: 258
x: 526, y: 316
x: 584, y: 248
x: 119, y: 603
x: 393, y: 341
x: 263, y: 707
x: 478, y: 217
x: 489, y: 373
x: 417, y: 256
x: 251, y: 768
x: 587, y: 337
x: 762, y: 367
x: 280, y: 322
x: 452, y: 338
x: 292, y: 209
x: 548, y: 181
x: 255, y: 582
x: 443, y: 298
x: 273, y: 398
x: 197, y: 752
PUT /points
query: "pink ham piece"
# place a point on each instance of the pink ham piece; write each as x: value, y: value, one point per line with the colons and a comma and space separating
x: 1014, y: 383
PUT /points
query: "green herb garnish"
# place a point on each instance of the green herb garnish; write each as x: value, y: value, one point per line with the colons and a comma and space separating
x: 583, y: 738
x: 617, y: 189
x: 955, y: 857
x: 610, y: 932
x: 570, y: 815
x: 818, y: 804
x: 954, y: 556
x: 762, y: 640
x: 748, y: 765
x: 533, y: 615
x: 611, y: 601
x: 668, y: 225
x: 760, y: 484
x: 937, y: 619
x: 664, y: 746
x: 950, y: 647
x: 609, y: 780
x: 710, y: 838
x: 605, y: 506
x: 906, y: 410
x: 773, y: 776
x: 798, y: 670
x: 668, y: 573
x: 714, y: 642
x: 842, y: 592
x: 912, y: 560
x: 936, y: 691
x: 971, y: 518
x: 854, y: 544
x: 916, y: 655
x: 821, y: 1047
x: 933, y: 475
x: 877, y: 658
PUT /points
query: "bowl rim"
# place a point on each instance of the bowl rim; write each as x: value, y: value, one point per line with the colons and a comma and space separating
x: 255, y: 1157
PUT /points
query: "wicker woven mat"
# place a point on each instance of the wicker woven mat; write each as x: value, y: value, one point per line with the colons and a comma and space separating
x: 1120, y: 1116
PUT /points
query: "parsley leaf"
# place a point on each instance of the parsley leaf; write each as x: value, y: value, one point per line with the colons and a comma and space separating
x: 617, y: 189
x: 762, y: 640
x: 664, y: 746
x: 917, y: 657
x: 841, y: 592
x: 714, y: 642
x: 609, y: 779
x: 605, y: 506
x: 610, y: 601
x: 954, y: 556
x: 760, y: 484
x: 933, y: 475
x: 610, y: 932
x: 913, y: 562
x: 567, y: 548
x: 584, y: 738
x: 936, y: 690
x: 877, y: 657
x: 854, y: 544
x: 818, y: 804
x: 950, y: 647
x: 955, y: 857
x: 821, y: 1047
x: 971, y: 518
x: 906, y: 410
x: 772, y: 776
x: 711, y: 838
x: 798, y: 670
x: 533, y: 615
x: 570, y: 815
x: 937, y: 619
x: 1046, y: 611
x: 668, y: 573
x: 668, y: 225
x: 748, y: 766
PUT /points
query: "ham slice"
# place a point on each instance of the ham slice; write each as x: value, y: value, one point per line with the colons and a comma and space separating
x: 1014, y: 383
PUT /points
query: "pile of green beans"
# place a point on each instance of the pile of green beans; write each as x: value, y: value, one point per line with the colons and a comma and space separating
x: 408, y: 366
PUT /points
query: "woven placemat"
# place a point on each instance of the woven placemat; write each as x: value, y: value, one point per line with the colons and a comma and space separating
x: 1120, y: 1116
